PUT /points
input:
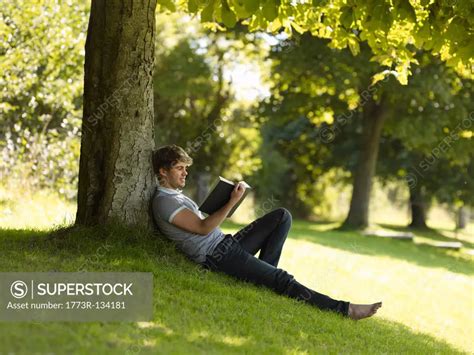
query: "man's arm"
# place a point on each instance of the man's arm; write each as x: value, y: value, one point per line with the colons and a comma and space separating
x: 190, y: 222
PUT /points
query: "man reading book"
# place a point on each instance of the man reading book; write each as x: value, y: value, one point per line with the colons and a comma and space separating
x: 200, y: 238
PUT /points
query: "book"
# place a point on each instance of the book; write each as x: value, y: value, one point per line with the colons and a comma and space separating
x: 219, y: 195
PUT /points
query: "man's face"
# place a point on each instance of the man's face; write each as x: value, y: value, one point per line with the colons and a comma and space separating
x: 176, y: 176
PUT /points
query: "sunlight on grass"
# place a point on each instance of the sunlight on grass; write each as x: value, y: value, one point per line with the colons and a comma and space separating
x: 429, y: 299
x: 426, y: 299
x: 155, y: 325
x: 433, y: 237
x: 225, y: 339
x: 233, y: 340
x: 39, y: 210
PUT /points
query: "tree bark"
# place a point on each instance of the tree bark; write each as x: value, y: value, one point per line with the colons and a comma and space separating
x: 115, y: 173
x: 462, y: 217
x: 374, y: 118
x: 203, y: 180
x: 417, y: 207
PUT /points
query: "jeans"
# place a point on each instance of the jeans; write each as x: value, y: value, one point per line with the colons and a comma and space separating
x: 234, y: 256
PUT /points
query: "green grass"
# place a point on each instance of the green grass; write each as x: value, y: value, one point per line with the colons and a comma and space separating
x: 427, y: 295
x: 23, y: 208
x: 427, y: 292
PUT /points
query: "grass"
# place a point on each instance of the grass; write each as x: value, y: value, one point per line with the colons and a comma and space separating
x: 24, y: 208
x: 426, y: 293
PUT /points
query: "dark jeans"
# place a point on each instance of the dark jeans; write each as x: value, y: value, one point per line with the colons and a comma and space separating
x: 234, y: 256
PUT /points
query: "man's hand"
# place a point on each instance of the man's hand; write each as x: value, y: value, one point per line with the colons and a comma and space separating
x: 237, y: 193
x: 188, y: 220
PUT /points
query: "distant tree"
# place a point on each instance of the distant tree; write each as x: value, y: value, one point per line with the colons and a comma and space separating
x: 197, y: 106
x: 293, y: 166
x: 330, y: 94
x: 434, y: 131
x: 331, y: 90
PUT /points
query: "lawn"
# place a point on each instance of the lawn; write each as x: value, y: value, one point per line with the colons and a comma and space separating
x: 427, y: 295
x: 427, y: 292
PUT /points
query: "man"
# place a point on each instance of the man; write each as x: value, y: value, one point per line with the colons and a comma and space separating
x: 178, y: 217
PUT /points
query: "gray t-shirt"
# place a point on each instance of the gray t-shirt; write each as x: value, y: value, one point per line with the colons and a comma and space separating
x: 166, y: 205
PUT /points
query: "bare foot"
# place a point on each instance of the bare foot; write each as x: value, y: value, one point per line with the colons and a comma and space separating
x: 359, y: 311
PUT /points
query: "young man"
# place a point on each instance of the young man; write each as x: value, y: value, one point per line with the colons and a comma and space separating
x: 178, y: 217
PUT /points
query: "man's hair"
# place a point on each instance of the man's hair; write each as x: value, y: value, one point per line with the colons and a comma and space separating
x: 168, y: 156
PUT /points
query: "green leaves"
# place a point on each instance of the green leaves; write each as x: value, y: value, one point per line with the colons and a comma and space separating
x: 251, y: 5
x: 167, y: 4
x: 260, y: 13
x: 207, y: 14
x: 240, y: 9
x: 270, y: 10
x: 41, y: 61
x: 353, y: 45
x: 346, y: 17
x: 228, y: 17
x: 391, y: 28
x: 193, y: 6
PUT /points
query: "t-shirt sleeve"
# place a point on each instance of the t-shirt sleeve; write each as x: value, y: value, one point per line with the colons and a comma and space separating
x: 166, y: 208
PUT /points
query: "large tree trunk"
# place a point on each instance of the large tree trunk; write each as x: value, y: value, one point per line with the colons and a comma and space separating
x: 374, y: 118
x: 417, y: 207
x: 115, y: 174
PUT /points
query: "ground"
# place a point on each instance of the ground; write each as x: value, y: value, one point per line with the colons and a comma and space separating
x: 427, y: 294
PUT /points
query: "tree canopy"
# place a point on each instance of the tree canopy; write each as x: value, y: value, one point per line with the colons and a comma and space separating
x: 394, y: 29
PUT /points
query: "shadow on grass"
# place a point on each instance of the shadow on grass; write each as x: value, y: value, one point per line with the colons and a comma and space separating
x: 305, y: 331
x: 356, y: 242
x: 429, y: 233
x: 89, y: 243
x: 195, y: 311
x: 80, y: 248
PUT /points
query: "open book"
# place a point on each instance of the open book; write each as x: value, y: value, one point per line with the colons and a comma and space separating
x: 219, y: 195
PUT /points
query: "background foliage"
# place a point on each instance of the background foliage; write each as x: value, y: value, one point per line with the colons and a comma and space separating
x: 42, y: 55
x: 292, y: 130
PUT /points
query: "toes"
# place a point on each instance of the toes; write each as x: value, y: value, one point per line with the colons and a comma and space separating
x: 369, y: 315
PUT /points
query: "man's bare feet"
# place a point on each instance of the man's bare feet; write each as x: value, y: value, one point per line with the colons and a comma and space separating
x: 359, y: 311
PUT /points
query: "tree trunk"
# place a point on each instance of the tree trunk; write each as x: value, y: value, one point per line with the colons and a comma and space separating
x: 462, y: 218
x: 202, y: 186
x: 417, y: 206
x: 115, y: 174
x: 374, y: 118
